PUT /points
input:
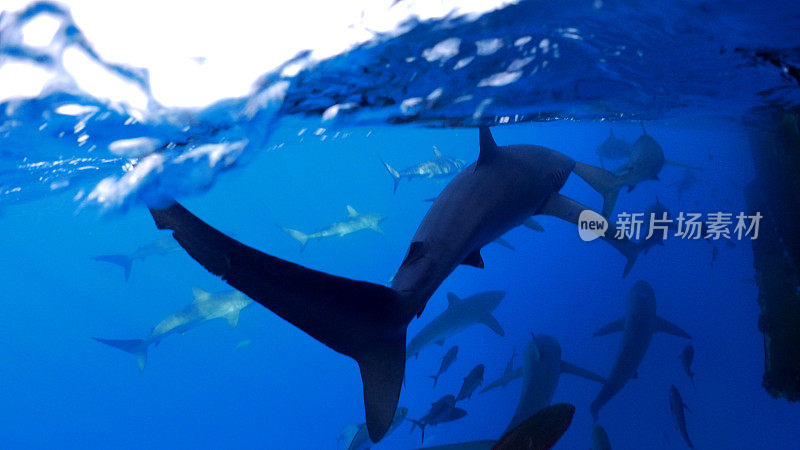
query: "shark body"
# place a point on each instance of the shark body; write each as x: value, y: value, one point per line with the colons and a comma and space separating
x: 354, y: 222
x: 440, y: 166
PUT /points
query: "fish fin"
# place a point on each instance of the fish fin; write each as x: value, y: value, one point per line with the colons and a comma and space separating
x: 200, y: 294
x: 665, y: 326
x: 491, y: 322
x: 580, y: 372
x: 436, y: 152
x: 377, y: 228
x: 452, y: 299
x: 613, y: 327
x: 533, y: 225
x: 569, y: 210
x: 232, y: 318
x: 415, y: 251
x: 301, y: 237
x: 487, y: 145
x: 351, y: 212
x: 504, y: 243
x: 679, y: 164
x: 474, y: 259
x: 604, y: 182
x: 394, y: 174
x: 136, y: 347
x: 123, y: 261
x: 372, y: 319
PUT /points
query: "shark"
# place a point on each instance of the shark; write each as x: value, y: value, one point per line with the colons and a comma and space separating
x: 677, y: 407
x: 613, y: 148
x: 509, y: 374
x: 160, y: 247
x: 368, y: 321
x: 637, y: 327
x: 539, y: 432
x: 206, y: 306
x: 541, y: 369
x: 356, y: 437
x: 442, y: 410
x: 471, y: 382
x: 354, y: 222
x: 448, y: 360
x: 656, y: 212
x: 600, y: 440
x: 686, y: 357
x: 440, y: 166
x: 459, y: 315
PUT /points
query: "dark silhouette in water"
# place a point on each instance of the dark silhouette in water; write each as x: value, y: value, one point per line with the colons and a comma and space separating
x: 448, y: 360
x: 509, y: 374
x: 686, y: 357
x: 472, y: 381
x: 638, y: 327
x: 368, y: 321
x: 443, y: 410
x: 158, y: 248
x: 613, y: 148
x: 676, y: 407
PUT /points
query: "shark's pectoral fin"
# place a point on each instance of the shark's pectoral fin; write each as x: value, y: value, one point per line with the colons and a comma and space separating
x: 491, y: 322
x: 533, y: 225
x: 365, y: 321
x: 581, y: 372
x: 664, y: 326
x: 604, y: 182
x: 232, y: 318
x: 474, y: 259
x: 382, y: 370
x: 613, y: 327
x: 377, y: 228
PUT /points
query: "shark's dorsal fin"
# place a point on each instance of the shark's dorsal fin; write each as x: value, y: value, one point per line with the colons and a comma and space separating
x: 351, y: 212
x: 613, y: 327
x: 436, y: 152
x: 474, y: 259
x: 488, y: 147
x: 200, y: 295
x: 581, y: 372
x: 452, y: 299
x: 491, y: 322
x: 665, y: 326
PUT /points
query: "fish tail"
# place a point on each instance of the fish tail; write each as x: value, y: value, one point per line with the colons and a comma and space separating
x: 394, y: 174
x: 604, y: 182
x: 420, y: 424
x: 301, y: 237
x: 365, y: 321
x: 123, y: 261
x: 136, y: 347
x: 435, y: 379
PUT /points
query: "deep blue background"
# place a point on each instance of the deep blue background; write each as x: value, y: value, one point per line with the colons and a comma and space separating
x: 285, y: 390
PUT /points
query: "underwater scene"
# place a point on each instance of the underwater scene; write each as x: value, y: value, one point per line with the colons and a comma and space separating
x: 400, y: 225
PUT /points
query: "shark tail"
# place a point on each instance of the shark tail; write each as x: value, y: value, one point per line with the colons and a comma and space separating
x: 136, y: 347
x: 301, y: 237
x: 394, y: 174
x: 604, y: 182
x: 123, y: 261
x: 365, y: 321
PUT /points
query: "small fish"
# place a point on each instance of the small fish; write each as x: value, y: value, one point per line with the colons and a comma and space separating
x: 243, y: 343
x: 676, y: 406
x: 448, y: 359
x: 471, y: 382
x: 686, y: 357
x: 443, y: 410
x: 439, y: 166
x: 354, y: 222
x: 160, y: 247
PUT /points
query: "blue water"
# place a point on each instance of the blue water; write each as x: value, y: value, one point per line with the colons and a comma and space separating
x: 250, y: 165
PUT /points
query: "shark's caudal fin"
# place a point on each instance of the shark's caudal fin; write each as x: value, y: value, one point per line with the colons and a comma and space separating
x: 394, y: 174
x: 123, y: 261
x: 604, y: 182
x: 301, y: 237
x: 362, y: 320
x: 136, y: 347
